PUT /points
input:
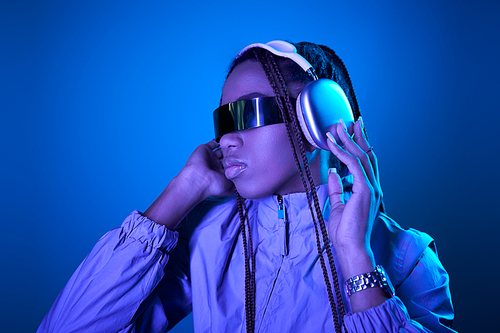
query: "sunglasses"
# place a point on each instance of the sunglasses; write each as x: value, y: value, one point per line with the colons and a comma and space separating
x: 245, y: 114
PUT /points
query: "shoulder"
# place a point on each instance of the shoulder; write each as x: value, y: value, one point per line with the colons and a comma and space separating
x: 398, y: 250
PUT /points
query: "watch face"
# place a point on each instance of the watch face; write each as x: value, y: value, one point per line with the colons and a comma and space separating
x: 385, y: 281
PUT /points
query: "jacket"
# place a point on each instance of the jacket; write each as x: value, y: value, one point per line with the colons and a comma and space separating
x: 142, y: 277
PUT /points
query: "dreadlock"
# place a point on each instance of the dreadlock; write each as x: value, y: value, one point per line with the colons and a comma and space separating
x: 327, y: 65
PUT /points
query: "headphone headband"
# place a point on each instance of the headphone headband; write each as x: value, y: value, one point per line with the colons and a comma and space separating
x: 285, y: 50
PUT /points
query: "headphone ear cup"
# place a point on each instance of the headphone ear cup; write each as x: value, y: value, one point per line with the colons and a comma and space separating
x: 303, y: 124
x: 320, y: 105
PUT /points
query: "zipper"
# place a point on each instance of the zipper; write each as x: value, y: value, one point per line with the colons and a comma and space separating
x: 283, y: 220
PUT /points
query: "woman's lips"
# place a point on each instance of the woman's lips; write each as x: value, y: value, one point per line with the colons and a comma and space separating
x: 234, y: 171
x: 233, y: 167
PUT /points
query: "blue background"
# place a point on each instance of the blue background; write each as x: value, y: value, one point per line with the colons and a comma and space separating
x: 103, y: 101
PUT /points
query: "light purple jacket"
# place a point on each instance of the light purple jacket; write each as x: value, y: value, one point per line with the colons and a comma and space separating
x: 142, y: 277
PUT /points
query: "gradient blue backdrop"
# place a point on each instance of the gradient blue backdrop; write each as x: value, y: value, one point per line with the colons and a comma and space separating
x: 103, y: 101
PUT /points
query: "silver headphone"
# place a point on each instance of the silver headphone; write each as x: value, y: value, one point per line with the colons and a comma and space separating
x: 321, y: 103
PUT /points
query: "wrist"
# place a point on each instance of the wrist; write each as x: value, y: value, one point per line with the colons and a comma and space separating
x: 376, y: 278
x: 369, y: 289
x: 355, y: 260
x: 191, y: 180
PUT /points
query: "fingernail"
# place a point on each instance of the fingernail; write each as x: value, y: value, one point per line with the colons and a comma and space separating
x: 343, y: 124
x: 332, y: 170
x: 330, y: 136
x: 361, y: 123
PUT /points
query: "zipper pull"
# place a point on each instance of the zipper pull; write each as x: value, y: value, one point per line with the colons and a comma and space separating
x: 281, y: 208
x: 283, y: 218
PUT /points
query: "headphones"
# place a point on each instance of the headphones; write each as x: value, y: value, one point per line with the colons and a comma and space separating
x: 320, y: 104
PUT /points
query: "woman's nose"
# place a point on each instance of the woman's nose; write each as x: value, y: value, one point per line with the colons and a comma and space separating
x: 231, y: 140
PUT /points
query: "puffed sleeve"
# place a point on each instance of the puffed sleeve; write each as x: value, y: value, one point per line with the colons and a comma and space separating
x: 114, y: 288
x: 422, y: 302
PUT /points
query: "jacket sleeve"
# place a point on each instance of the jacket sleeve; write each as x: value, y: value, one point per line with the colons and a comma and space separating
x: 422, y: 302
x: 114, y: 288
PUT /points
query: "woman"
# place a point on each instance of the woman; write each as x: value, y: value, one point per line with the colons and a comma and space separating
x: 285, y: 252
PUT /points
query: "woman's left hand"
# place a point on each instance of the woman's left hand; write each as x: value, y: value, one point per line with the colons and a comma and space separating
x: 351, y: 222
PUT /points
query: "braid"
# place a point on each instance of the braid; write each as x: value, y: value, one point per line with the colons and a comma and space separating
x: 249, y: 272
x: 312, y: 190
x: 252, y: 272
x: 270, y: 67
x: 343, y: 76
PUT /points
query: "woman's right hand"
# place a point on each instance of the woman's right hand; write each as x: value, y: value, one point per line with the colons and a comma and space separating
x: 201, y: 177
x: 204, y: 168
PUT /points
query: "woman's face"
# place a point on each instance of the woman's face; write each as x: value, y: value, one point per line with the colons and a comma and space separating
x: 259, y: 161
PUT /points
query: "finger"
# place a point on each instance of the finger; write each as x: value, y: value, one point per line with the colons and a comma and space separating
x: 214, y: 146
x: 362, y: 141
x: 335, y: 189
x: 218, y: 153
x: 350, y: 130
x: 353, y: 148
x: 361, y: 181
x: 213, y: 155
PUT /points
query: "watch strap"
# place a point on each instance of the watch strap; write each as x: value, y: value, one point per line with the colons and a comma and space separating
x: 376, y: 278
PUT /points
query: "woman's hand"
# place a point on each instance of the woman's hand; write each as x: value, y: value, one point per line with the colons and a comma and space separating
x: 204, y: 168
x: 201, y: 177
x: 350, y: 224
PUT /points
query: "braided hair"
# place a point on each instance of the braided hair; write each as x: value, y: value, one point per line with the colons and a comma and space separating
x: 327, y: 65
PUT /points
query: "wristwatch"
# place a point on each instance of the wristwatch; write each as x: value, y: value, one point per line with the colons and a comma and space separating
x: 376, y: 278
